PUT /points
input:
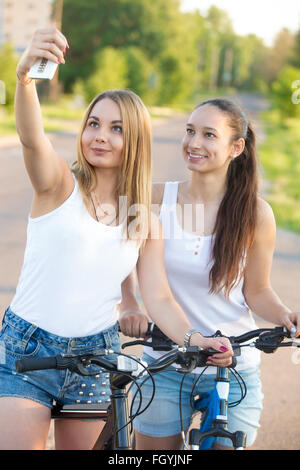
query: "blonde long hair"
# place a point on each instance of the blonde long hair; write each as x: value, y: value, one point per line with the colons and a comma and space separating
x: 135, y: 172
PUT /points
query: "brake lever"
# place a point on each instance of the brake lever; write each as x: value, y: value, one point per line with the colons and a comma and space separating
x: 80, y: 364
x: 269, y: 341
x: 134, y: 343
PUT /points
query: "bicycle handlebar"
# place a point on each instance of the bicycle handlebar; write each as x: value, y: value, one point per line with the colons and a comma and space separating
x: 24, y: 365
x: 80, y: 363
x: 161, y: 342
x: 75, y: 363
x: 269, y: 339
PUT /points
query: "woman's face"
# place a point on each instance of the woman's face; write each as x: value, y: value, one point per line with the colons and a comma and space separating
x: 207, y: 144
x: 102, y: 138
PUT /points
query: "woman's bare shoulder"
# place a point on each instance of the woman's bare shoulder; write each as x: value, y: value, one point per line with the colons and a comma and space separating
x: 264, y: 211
x: 266, y: 224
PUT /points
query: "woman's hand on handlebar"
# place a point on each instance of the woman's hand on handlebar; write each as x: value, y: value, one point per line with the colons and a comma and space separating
x: 133, y: 323
x: 47, y: 43
x: 224, y: 352
x: 292, y: 322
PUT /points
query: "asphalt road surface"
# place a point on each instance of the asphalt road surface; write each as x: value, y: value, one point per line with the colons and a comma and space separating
x: 280, y: 423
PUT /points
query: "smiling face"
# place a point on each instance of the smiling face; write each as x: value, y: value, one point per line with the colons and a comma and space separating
x: 207, y: 145
x: 102, y: 137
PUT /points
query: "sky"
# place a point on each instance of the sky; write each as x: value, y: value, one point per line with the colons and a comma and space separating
x: 264, y: 18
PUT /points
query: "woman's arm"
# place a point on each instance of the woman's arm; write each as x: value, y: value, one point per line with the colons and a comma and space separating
x: 133, y: 322
x: 45, y: 168
x: 259, y: 295
x: 160, y: 303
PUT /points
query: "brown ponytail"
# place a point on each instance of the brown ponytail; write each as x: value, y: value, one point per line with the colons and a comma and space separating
x: 236, y: 219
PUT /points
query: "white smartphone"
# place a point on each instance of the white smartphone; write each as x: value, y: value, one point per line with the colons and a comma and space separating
x: 43, y: 69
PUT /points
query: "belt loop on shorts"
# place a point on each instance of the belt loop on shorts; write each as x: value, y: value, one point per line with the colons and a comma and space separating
x: 6, y: 311
x: 107, y: 339
x: 27, y: 335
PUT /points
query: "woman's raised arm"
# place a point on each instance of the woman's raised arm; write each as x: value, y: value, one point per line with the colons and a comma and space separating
x: 45, y: 168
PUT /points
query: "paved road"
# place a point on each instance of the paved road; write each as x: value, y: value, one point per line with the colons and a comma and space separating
x: 280, y: 427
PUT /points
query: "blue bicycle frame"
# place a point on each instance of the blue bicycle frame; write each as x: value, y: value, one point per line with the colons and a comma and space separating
x: 214, y: 422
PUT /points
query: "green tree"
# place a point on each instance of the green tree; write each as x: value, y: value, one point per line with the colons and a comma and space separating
x: 93, y: 25
x: 139, y: 73
x: 295, y: 59
x: 172, y: 53
x: 110, y: 72
x: 178, y: 63
x: 215, y: 30
x: 279, y: 55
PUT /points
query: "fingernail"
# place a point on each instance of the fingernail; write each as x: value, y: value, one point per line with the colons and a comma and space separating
x: 293, y: 330
x: 222, y: 348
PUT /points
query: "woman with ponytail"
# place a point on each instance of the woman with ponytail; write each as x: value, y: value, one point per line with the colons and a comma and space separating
x: 219, y: 243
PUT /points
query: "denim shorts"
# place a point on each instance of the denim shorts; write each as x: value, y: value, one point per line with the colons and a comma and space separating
x: 162, y: 418
x: 20, y: 339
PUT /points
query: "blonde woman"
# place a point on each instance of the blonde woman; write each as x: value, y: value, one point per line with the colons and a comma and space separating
x: 80, y: 247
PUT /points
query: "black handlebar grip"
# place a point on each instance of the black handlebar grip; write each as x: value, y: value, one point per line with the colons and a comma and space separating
x: 37, y: 363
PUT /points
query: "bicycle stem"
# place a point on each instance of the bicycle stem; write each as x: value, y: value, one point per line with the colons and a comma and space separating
x: 119, y: 405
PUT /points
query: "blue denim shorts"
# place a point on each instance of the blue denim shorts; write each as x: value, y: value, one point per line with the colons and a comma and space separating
x: 162, y: 418
x: 20, y: 339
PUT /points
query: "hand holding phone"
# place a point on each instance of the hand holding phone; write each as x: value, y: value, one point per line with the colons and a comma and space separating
x: 42, y: 56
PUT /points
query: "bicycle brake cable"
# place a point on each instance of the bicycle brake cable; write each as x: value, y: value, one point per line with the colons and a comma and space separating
x: 134, y: 381
x: 180, y: 409
x: 241, y: 384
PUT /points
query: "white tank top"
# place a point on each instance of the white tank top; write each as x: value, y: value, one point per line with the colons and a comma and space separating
x: 188, y: 263
x: 73, y: 268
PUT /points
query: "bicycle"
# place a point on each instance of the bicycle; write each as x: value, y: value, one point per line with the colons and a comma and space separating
x: 214, y: 405
x: 117, y: 432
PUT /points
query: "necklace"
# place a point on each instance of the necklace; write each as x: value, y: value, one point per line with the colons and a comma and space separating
x: 100, y: 213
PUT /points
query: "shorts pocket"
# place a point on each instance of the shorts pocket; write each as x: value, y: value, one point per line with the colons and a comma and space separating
x: 112, y: 341
x: 19, y: 344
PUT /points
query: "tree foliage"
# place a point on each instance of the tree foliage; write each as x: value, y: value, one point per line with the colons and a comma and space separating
x: 169, y: 54
x: 97, y: 24
x: 164, y: 55
x: 110, y: 72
